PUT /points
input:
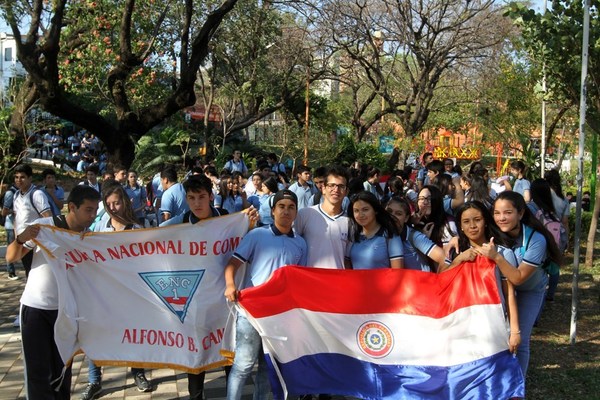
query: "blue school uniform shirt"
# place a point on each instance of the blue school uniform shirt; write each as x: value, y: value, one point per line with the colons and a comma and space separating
x: 173, y: 201
x: 189, y: 217
x: 255, y: 200
x: 138, y: 198
x: 447, y: 203
x: 264, y: 211
x: 376, y: 251
x: 521, y: 185
x: 265, y: 250
x: 416, y: 240
x: 534, y: 255
x: 303, y: 193
x: 232, y: 204
x: 59, y: 192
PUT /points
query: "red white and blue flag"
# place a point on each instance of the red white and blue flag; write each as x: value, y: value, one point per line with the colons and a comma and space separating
x: 386, y: 334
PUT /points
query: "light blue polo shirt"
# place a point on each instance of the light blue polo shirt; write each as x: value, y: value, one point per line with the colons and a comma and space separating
x: 173, y: 201
x: 416, y: 240
x: 232, y: 204
x: 521, y: 185
x: 264, y: 211
x: 191, y: 218
x: 534, y: 255
x: 138, y: 198
x: 265, y: 250
x: 376, y: 251
x: 304, y: 193
x: 257, y: 199
x: 422, y: 176
x: 60, y: 194
x: 447, y: 202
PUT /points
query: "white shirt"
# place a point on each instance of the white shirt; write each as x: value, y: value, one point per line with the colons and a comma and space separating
x: 325, y: 236
x: 41, y: 289
x: 25, y: 212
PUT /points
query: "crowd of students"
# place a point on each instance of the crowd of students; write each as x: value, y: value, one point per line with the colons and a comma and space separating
x: 332, y: 217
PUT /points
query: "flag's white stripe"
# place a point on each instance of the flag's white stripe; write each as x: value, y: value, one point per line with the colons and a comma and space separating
x: 475, y: 332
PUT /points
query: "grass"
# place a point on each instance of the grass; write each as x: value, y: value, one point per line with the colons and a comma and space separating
x: 560, y: 370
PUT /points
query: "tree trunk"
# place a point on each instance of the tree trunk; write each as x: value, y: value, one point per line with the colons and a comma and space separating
x: 589, y: 252
x: 25, y: 99
x: 121, y: 150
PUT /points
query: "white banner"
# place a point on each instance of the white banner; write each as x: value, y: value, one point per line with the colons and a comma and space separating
x: 147, y: 298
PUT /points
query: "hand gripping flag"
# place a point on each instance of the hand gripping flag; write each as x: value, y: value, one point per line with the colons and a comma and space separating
x: 146, y: 298
x: 386, y: 334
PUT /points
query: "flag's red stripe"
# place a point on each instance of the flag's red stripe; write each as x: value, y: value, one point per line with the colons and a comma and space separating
x: 179, y: 300
x: 374, y: 291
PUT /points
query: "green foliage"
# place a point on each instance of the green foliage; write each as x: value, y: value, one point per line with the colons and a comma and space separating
x: 84, y: 69
x: 250, y: 154
x: 7, y: 159
x: 586, y: 220
x: 346, y: 150
x: 367, y: 153
x: 168, y: 145
x: 243, y: 66
x: 509, y: 111
x: 554, y: 40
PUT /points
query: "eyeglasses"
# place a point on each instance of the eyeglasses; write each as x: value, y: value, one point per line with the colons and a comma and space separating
x: 425, y: 199
x: 332, y: 186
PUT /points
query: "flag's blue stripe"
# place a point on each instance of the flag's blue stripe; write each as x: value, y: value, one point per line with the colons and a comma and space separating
x: 495, y: 377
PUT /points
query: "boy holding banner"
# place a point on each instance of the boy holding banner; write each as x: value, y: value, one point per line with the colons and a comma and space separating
x: 39, y: 302
x: 199, y: 196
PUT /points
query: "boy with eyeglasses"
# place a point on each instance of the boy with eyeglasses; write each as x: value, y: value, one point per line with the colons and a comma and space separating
x: 325, y: 226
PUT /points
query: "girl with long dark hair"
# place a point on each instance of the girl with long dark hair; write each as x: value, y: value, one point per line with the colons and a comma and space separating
x: 542, y: 207
x: 560, y: 202
x: 430, y: 217
x: 269, y: 188
x: 476, y: 227
x: 420, y: 253
x: 121, y: 217
x: 231, y: 197
x: 373, y: 233
x: 532, y: 246
x: 478, y: 190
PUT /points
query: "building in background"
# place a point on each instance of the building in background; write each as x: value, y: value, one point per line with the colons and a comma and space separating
x: 10, y: 67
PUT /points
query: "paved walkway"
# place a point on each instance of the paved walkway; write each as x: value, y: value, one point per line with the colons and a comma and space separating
x: 117, y: 383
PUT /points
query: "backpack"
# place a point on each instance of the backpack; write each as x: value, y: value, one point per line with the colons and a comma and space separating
x: 60, y: 221
x: 549, y: 266
x: 556, y: 228
x: 14, y: 190
x: 317, y: 198
x: 3, y: 217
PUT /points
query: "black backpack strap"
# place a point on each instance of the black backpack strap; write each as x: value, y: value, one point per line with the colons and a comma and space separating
x: 35, y: 189
x: 317, y: 198
x: 60, y: 221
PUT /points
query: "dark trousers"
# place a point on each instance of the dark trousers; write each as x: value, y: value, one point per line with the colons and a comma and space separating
x: 27, y: 260
x: 43, y: 364
x: 196, y: 383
